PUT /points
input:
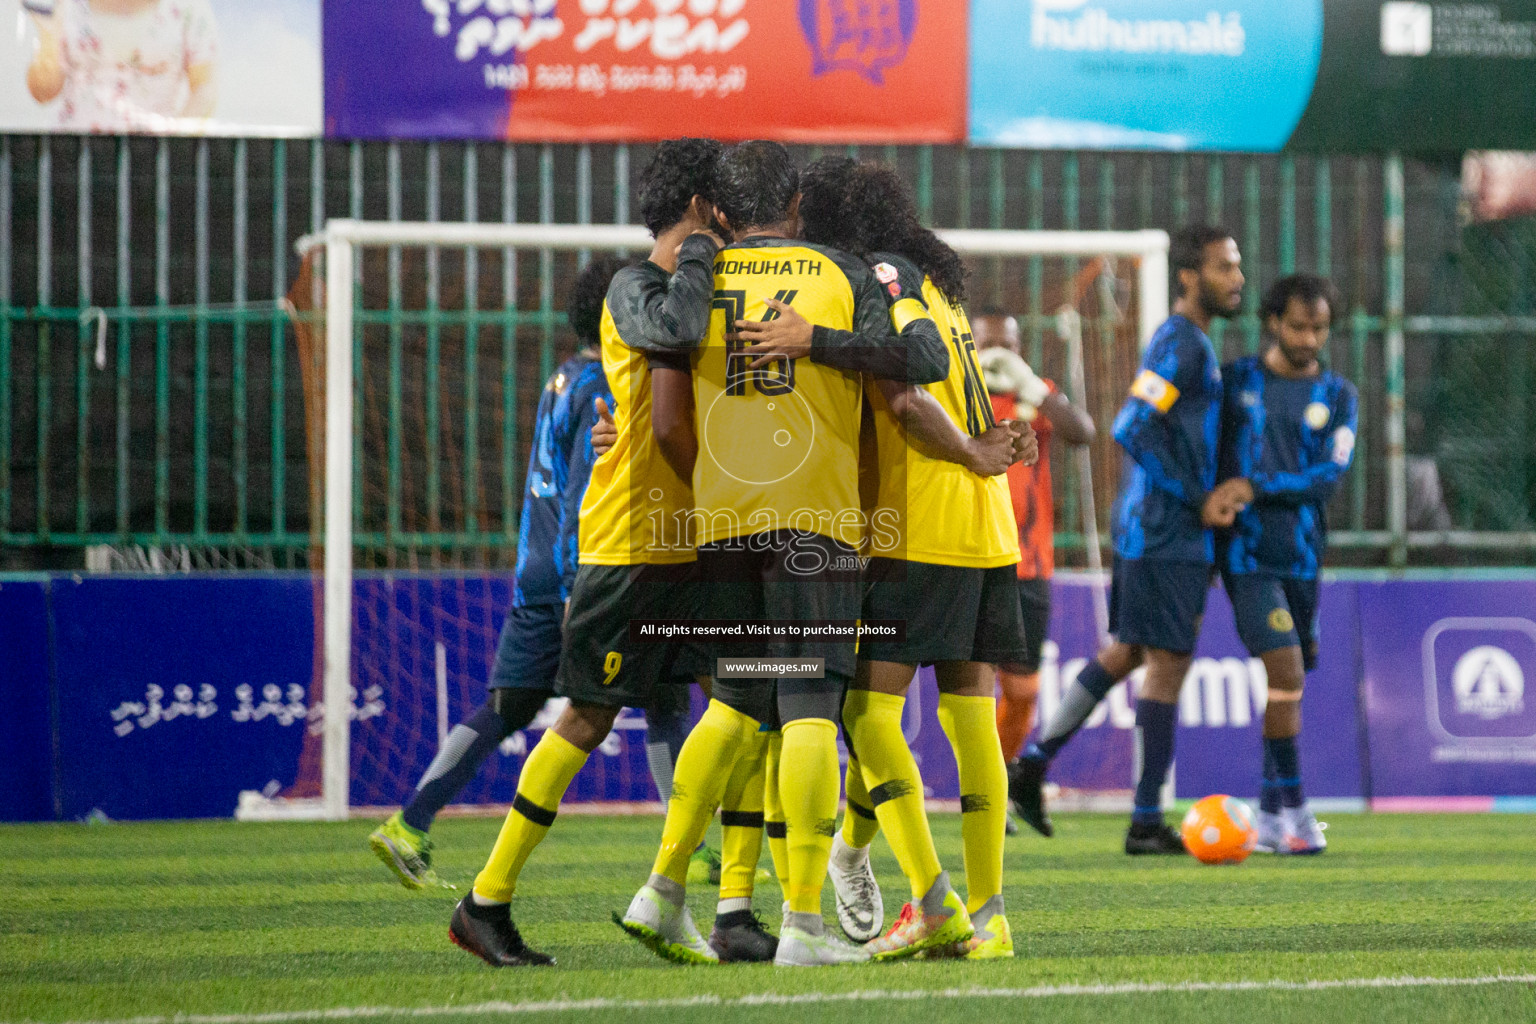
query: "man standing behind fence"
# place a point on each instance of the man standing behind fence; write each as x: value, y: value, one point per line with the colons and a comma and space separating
x: 1287, y: 438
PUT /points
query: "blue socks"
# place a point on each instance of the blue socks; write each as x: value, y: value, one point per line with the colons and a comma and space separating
x: 1077, y: 703
x: 1282, y: 775
x: 1155, y: 722
x: 457, y: 761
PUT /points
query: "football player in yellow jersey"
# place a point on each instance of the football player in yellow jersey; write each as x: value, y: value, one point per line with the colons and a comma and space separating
x: 779, y: 525
x: 626, y: 570
x: 945, y: 568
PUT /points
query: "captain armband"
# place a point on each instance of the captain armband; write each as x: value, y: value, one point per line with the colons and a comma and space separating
x: 1155, y: 391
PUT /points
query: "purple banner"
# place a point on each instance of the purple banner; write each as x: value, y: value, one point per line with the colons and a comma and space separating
x: 1221, y: 709
x: 1445, y: 667
x: 152, y: 675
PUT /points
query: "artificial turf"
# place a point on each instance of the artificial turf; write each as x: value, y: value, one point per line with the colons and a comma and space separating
x: 110, y: 922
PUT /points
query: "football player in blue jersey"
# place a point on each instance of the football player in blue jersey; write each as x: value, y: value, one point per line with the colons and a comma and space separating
x: 1169, y: 502
x: 1287, y: 438
x: 528, y: 651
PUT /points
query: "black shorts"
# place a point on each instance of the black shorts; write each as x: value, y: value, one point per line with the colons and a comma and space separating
x: 1035, y: 610
x: 952, y: 612
x: 600, y: 663
x: 1273, y: 612
x: 1158, y: 604
x: 528, y: 650
x: 784, y: 576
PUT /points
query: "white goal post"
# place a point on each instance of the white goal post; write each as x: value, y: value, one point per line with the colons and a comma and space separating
x: 340, y: 241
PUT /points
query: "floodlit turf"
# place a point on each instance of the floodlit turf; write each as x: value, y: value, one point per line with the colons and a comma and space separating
x: 115, y: 921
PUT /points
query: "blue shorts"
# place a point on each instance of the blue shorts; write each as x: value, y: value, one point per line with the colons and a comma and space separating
x: 528, y: 653
x: 1274, y: 612
x: 1157, y: 603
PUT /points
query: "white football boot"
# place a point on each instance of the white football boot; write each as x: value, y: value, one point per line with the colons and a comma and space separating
x: 1303, y: 832
x: 1271, y: 833
x: 799, y: 948
x: 860, y: 908
x: 665, y: 928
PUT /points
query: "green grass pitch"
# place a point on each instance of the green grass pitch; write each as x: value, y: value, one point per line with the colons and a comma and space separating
x: 106, y: 923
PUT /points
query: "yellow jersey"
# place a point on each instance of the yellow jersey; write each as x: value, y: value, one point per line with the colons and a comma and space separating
x: 929, y: 510
x: 778, y: 446
x: 636, y: 509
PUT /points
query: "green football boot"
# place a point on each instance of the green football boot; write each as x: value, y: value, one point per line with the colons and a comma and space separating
x: 704, y: 866
x: 407, y: 852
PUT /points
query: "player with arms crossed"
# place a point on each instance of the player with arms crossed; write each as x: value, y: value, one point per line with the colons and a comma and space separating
x: 779, y: 527
x: 1287, y: 438
x: 941, y: 561
x: 1016, y: 390
x: 528, y: 651
x: 625, y: 569
x: 1164, y: 548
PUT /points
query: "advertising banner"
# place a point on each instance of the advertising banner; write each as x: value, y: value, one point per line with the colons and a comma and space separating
x: 1254, y: 75
x: 161, y: 67
x: 1221, y: 710
x: 1142, y: 74
x: 26, y: 733
x: 886, y: 71
x: 175, y: 694
x: 1446, y: 669
x: 166, y: 698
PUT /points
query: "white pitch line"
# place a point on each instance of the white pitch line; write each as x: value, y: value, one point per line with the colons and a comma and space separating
x: 857, y: 995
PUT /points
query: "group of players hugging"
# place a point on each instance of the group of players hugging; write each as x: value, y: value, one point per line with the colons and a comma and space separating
x: 785, y: 416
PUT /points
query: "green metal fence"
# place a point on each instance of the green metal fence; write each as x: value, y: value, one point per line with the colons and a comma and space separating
x: 153, y: 390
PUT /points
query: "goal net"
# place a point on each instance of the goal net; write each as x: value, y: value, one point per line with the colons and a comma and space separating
x: 425, y: 347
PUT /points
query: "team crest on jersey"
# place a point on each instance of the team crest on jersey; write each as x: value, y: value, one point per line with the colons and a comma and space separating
x: 863, y: 36
x: 1317, y: 415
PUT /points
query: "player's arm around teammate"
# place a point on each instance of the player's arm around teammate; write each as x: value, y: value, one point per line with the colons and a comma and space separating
x: 1288, y: 437
x: 625, y: 570
x: 948, y: 528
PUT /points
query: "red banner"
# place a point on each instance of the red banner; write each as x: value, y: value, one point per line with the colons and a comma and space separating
x: 793, y: 70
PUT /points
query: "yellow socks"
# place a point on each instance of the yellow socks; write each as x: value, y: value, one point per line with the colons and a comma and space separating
x: 741, y: 820
x: 971, y: 725
x: 808, y: 786
x: 895, y: 787
x: 545, y: 777
x: 698, y: 781
x: 860, y: 825
x: 773, y: 809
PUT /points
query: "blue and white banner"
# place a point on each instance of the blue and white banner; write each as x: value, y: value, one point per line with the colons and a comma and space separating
x: 167, y: 697
x: 1142, y: 74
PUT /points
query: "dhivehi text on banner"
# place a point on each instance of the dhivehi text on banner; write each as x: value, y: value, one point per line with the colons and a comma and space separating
x: 615, y: 70
x: 161, y: 67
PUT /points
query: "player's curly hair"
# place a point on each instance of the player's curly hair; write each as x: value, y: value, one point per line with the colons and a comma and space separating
x: 584, y: 306
x: 1306, y: 287
x: 823, y: 213
x: 755, y: 182
x: 679, y: 170
x: 875, y: 213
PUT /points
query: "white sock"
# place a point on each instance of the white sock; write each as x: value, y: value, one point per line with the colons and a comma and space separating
x: 733, y: 904
x: 848, y: 856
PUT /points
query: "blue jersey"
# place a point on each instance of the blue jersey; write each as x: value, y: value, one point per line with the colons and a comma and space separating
x: 1292, y: 440
x: 1168, y: 428
x: 559, y: 466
